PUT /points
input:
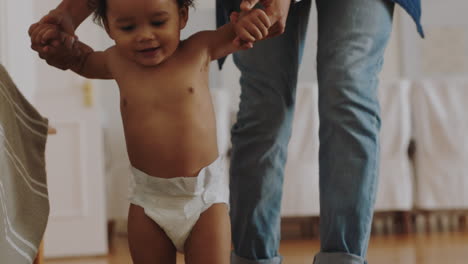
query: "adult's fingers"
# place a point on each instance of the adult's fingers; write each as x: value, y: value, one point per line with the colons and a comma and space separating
x: 49, y: 35
x: 277, y: 11
x: 39, y: 34
x: 36, y: 47
x: 43, y: 34
x: 68, y: 40
x: 58, y: 57
x: 275, y: 31
x: 52, y: 34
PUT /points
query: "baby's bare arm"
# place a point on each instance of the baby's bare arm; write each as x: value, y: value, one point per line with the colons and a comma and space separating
x: 82, y: 60
x: 252, y: 26
x: 92, y: 64
x: 220, y: 42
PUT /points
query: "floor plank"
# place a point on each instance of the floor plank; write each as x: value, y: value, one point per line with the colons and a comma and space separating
x: 434, y: 248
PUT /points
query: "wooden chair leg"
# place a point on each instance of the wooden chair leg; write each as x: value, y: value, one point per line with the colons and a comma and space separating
x: 40, y: 255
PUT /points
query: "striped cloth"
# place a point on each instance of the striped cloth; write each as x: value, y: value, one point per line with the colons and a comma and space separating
x: 24, y: 203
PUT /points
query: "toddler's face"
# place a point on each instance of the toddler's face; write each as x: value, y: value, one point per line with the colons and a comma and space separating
x: 145, y: 31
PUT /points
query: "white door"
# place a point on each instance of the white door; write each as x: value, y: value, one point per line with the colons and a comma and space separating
x: 75, y: 175
x: 75, y: 165
x: 77, y: 222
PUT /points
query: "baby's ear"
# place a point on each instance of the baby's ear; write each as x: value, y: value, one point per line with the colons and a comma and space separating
x: 183, y: 16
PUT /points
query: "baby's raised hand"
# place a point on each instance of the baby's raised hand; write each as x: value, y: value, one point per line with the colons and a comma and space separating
x: 47, y: 40
x: 250, y: 26
x: 45, y: 36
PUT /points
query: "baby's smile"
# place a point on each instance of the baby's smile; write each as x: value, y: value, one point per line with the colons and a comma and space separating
x: 149, y: 52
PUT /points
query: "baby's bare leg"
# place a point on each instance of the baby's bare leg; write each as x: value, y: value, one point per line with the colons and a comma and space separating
x: 148, y: 243
x: 210, y: 239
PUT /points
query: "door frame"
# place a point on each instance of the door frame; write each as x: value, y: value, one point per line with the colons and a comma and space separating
x: 15, y: 52
x: 3, y: 21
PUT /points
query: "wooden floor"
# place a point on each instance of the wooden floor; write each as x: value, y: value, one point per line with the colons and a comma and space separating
x: 434, y: 248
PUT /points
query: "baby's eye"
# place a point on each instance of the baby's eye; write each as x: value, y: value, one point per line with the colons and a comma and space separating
x: 127, y: 28
x: 158, y: 23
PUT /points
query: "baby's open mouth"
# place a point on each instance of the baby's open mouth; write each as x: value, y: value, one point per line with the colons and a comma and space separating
x: 148, y: 50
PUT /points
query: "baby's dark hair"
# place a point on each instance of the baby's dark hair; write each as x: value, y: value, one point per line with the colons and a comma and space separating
x: 100, y: 12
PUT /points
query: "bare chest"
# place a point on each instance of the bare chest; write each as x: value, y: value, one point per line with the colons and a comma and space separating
x: 169, y: 88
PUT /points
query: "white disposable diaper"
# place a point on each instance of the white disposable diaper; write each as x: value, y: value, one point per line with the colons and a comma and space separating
x: 175, y: 204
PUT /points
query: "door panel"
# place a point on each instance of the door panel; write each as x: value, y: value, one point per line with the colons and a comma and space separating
x: 75, y: 165
x: 77, y: 224
x: 75, y: 175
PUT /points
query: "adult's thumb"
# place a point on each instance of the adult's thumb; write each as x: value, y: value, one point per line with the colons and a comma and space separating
x: 60, y: 20
x: 247, y: 5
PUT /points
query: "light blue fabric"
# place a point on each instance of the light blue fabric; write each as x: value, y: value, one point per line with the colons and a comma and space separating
x: 352, y: 36
x: 224, y: 8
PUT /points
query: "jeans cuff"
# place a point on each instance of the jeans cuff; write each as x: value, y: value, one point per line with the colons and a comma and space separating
x: 239, y: 260
x: 338, y: 258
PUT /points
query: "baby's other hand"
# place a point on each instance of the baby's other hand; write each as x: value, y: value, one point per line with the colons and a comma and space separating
x: 244, y: 45
x: 251, y: 26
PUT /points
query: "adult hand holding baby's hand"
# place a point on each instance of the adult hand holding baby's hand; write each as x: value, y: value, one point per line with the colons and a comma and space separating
x: 53, y: 38
x: 277, y: 11
x: 250, y: 26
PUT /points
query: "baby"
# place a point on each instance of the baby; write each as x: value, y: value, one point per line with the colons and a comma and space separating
x: 179, y: 200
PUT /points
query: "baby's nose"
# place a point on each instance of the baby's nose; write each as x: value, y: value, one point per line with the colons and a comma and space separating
x: 145, y: 34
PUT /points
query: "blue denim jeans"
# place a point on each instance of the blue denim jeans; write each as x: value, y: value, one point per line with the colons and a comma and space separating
x: 352, y: 36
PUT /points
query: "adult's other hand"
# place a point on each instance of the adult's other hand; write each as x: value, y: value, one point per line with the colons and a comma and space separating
x: 277, y: 11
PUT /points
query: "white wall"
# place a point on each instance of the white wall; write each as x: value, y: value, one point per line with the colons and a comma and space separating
x: 2, y: 31
x: 15, y: 52
x: 444, y: 51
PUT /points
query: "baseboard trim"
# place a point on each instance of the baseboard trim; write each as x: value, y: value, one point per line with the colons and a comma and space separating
x: 384, y: 223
